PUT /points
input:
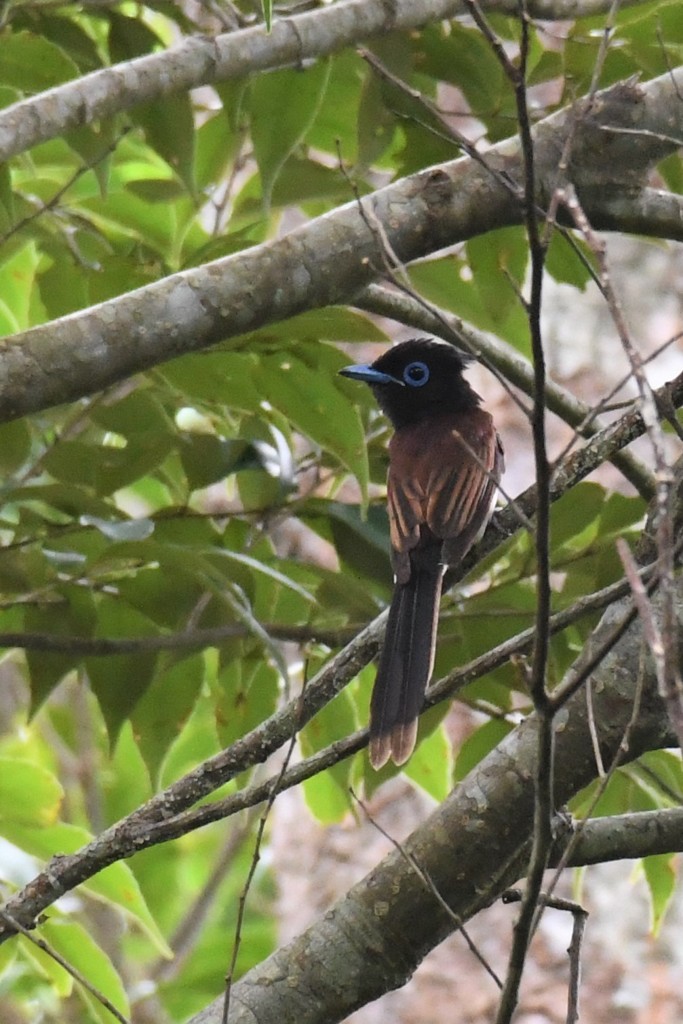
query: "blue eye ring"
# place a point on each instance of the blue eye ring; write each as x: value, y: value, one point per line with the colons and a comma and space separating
x: 416, y: 374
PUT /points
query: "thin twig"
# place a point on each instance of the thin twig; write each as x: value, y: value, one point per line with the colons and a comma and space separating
x: 668, y: 670
x: 51, y: 203
x: 605, y: 780
x: 544, y: 800
x: 242, y: 904
x: 655, y: 640
x: 69, y: 968
x: 579, y: 918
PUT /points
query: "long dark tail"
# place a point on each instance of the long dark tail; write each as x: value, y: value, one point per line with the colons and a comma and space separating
x: 405, y: 666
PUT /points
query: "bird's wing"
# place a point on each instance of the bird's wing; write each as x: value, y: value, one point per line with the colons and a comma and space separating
x: 441, y: 486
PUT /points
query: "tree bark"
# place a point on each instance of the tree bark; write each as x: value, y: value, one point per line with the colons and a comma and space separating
x: 615, y: 139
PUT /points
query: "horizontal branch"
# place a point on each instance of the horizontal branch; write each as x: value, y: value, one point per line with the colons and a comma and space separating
x: 203, y: 60
x: 331, y: 258
x: 627, y: 837
x: 187, y: 640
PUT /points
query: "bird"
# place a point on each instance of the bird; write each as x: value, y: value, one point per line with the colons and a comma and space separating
x: 445, y: 463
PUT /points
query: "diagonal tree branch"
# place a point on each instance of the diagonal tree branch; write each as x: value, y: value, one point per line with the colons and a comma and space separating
x: 471, y: 848
x: 331, y: 258
x: 514, y: 367
x: 199, y: 60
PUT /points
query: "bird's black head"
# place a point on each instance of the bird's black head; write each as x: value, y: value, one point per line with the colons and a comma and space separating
x: 417, y: 379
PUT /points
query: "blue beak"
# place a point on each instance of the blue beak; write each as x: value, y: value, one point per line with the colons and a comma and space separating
x: 369, y: 375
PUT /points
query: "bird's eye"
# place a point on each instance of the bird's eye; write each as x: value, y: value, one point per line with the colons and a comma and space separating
x: 416, y: 374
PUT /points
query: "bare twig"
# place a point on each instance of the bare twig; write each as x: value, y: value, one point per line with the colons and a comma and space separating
x: 616, y: 761
x: 256, y: 856
x: 39, y: 943
x: 579, y: 918
x: 668, y: 672
x: 668, y: 679
x: 544, y: 789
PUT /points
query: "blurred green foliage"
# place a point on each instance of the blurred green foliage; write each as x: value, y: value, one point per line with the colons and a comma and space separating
x: 179, y: 501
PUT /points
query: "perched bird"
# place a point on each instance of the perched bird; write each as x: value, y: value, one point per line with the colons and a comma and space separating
x: 445, y: 461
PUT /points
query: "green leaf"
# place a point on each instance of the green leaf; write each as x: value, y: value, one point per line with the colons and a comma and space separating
x: 115, y: 884
x: 122, y: 215
x: 198, y: 740
x: 290, y: 100
x: 449, y: 282
x: 223, y: 378
x: 79, y: 949
x: 32, y: 63
x: 336, y: 123
x: 569, y: 260
x: 482, y: 741
x: 215, y: 147
x: 127, y: 784
x: 17, y: 284
x: 139, y: 412
x: 156, y: 190
x: 169, y: 128
x: 574, y: 516
x: 130, y: 37
x: 431, y: 764
x: 333, y: 323
x: 207, y: 458
x: 7, y: 203
x: 671, y: 171
x: 498, y: 261
x: 376, y: 123
x: 72, y: 38
x: 327, y: 794
x: 361, y: 541
x: 63, y: 288
x: 94, y: 145
x: 15, y: 446
x: 60, y: 502
x: 29, y: 794
x: 161, y: 713
x: 119, y: 681
x: 661, y: 876
x: 245, y: 694
x: 121, y: 529
x: 73, y: 615
x: 463, y: 57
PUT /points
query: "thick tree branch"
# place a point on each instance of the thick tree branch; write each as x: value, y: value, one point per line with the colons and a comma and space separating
x: 203, y: 60
x: 331, y: 258
x: 473, y: 846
